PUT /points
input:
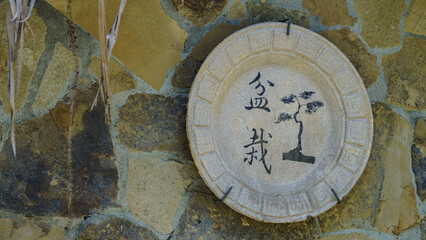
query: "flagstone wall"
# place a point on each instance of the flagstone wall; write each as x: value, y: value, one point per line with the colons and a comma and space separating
x: 135, y: 178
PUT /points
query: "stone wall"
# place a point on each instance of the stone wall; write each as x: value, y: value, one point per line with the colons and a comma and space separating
x: 135, y: 179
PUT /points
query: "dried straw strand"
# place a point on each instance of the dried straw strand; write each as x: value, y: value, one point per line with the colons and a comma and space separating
x: 104, y: 60
x: 16, y: 19
x: 112, y: 35
x: 106, y: 44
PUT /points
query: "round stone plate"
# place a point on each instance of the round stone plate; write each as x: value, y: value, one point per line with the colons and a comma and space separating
x: 280, y: 126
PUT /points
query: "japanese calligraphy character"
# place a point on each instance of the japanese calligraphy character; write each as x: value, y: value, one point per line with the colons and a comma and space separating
x: 257, y: 141
x: 259, y: 102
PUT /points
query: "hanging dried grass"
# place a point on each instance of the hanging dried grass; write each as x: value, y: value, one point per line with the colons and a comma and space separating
x: 16, y: 18
x: 106, y: 44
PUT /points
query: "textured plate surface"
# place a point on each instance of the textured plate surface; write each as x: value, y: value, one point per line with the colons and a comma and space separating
x: 279, y: 121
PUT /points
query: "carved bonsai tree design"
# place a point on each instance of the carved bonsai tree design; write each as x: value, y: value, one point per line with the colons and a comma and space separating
x: 310, y: 107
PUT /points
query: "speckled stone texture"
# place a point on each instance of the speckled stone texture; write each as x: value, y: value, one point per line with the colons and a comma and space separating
x: 57, y: 73
x: 116, y: 228
x: 237, y: 10
x: 259, y: 13
x: 29, y: 229
x: 415, y: 22
x: 351, y: 236
x: 36, y: 182
x: 200, y: 12
x: 153, y: 122
x: 380, y: 21
x: 418, y: 157
x: 207, y: 217
x: 155, y: 188
x: 331, y: 12
x: 404, y: 72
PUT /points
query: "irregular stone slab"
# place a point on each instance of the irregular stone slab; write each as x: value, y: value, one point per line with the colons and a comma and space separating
x: 36, y: 181
x: 200, y: 12
x: 120, y: 79
x: 356, y: 51
x: 26, y: 180
x: 351, y: 236
x: 380, y: 21
x: 331, y: 12
x: 212, y: 38
x: 207, y: 217
x: 237, y: 10
x: 188, y: 68
x: 155, y: 187
x: 259, y: 13
x: 32, y: 52
x: 397, y: 210
x: 57, y: 73
x: 415, y: 22
x: 404, y: 73
x: 6, y: 228
x: 29, y: 229
x: 149, y: 42
x: 116, y: 228
x: 153, y: 122
x: 94, y: 169
x: 418, y: 156
x: 185, y: 72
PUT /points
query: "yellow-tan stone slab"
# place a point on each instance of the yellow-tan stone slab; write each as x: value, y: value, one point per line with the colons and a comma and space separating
x: 415, y: 22
x: 237, y: 10
x: 380, y: 21
x: 397, y: 211
x: 155, y: 187
x: 331, y: 12
x: 120, y: 79
x: 212, y: 39
x: 351, y: 236
x: 33, y: 48
x: 24, y: 229
x: 420, y: 130
x: 57, y: 73
x: 149, y: 42
x: 6, y: 227
x: 405, y: 75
